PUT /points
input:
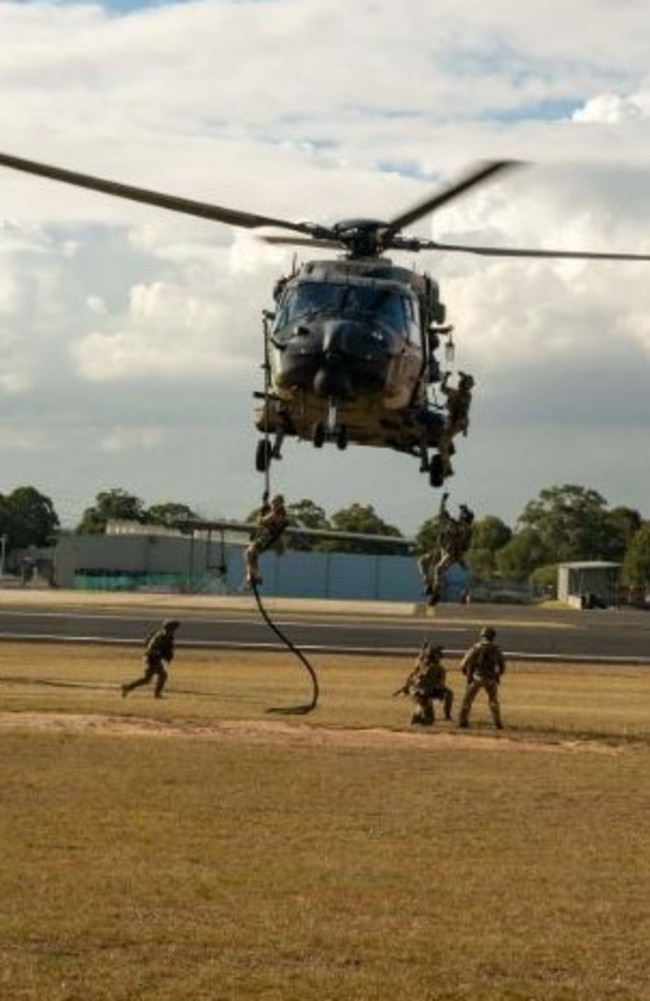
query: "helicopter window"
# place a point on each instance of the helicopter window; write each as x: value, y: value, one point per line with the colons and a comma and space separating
x: 414, y: 319
x: 307, y: 298
x: 382, y: 303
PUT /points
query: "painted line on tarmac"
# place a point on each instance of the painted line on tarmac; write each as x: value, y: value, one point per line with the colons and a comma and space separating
x: 299, y: 623
x: 511, y: 655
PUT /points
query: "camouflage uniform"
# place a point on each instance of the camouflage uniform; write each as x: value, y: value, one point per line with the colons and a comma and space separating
x: 427, y: 683
x: 272, y: 523
x: 459, y: 401
x: 454, y: 540
x: 159, y: 649
x: 484, y: 666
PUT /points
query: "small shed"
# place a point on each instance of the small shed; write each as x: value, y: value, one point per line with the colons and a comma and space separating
x: 589, y: 584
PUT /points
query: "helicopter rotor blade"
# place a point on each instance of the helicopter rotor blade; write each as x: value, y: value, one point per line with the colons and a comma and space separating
x: 480, y: 173
x: 186, y: 206
x: 527, y: 252
x: 301, y: 241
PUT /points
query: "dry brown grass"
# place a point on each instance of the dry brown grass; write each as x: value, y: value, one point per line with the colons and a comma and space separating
x: 202, y: 848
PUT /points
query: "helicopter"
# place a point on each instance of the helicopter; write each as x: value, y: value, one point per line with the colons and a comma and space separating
x: 351, y: 344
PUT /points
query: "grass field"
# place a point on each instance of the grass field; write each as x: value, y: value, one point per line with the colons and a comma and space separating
x: 202, y: 847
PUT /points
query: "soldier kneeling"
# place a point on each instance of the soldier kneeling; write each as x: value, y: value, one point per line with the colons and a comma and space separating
x: 426, y: 684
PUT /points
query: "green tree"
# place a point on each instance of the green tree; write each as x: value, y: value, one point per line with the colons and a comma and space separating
x: 489, y: 535
x: 306, y: 514
x: 546, y: 579
x: 169, y: 514
x: 28, y: 518
x: 636, y: 563
x: 363, y: 519
x: 111, y: 505
x: 622, y: 523
x: 524, y: 553
x: 571, y: 523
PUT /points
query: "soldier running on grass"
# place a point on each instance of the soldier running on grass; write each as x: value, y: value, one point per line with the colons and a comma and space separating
x: 158, y: 651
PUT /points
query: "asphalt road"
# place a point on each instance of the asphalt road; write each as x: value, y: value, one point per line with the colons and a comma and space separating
x: 612, y: 634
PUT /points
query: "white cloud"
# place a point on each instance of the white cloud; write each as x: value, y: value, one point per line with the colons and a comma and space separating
x: 111, y: 312
x: 610, y: 109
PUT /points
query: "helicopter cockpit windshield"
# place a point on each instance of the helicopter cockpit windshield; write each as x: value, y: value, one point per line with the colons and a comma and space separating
x: 306, y: 300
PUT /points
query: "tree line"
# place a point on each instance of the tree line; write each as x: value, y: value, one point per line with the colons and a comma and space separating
x: 563, y: 524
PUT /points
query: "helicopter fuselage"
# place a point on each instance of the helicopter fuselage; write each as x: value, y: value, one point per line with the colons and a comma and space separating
x: 346, y: 331
x: 350, y: 352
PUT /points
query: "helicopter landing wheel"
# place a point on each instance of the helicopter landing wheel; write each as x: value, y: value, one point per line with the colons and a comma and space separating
x: 263, y: 455
x: 342, y: 438
x: 436, y: 472
x: 318, y: 434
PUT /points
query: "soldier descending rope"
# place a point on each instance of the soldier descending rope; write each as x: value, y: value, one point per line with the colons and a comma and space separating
x: 427, y: 683
x: 459, y: 400
x: 272, y: 523
x: 454, y: 537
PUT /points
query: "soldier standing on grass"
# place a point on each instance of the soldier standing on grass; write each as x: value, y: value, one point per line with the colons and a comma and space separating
x: 158, y: 651
x: 483, y: 665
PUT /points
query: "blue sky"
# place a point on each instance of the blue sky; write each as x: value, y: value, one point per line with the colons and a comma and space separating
x: 130, y: 340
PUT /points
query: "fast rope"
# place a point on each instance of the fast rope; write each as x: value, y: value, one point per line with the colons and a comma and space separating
x: 267, y: 395
x: 308, y: 707
x: 295, y: 710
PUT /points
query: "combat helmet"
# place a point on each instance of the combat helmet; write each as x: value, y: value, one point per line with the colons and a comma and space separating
x: 488, y: 633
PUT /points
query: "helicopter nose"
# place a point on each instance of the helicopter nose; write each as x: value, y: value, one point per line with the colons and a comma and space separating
x: 333, y: 381
x: 343, y: 337
x: 353, y: 360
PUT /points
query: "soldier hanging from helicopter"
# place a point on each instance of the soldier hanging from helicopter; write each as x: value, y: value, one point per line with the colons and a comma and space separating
x: 454, y: 537
x: 272, y: 521
x: 458, y: 403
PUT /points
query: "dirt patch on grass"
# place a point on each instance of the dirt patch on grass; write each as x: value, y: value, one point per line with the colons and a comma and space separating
x: 281, y: 733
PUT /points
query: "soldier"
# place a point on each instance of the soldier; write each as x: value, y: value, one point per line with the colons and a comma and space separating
x: 427, y: 683
x: 459, y: 400
x: 158, y: 651
x: 483, y: 665
x: 455, y: 535
x: 272, y: 523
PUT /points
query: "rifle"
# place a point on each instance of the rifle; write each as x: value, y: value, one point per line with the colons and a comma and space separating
x: 406, y: 687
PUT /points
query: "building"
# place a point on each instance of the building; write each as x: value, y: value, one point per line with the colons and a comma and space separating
x: 140, y: 557
x: 589, y: 584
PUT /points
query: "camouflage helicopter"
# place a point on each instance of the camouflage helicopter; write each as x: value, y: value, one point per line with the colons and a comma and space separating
x: 350, y: 345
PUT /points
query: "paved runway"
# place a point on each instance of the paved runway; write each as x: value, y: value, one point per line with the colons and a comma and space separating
x: 621, y: 635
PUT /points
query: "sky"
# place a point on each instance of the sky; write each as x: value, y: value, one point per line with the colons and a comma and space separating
x: 131, y: 338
